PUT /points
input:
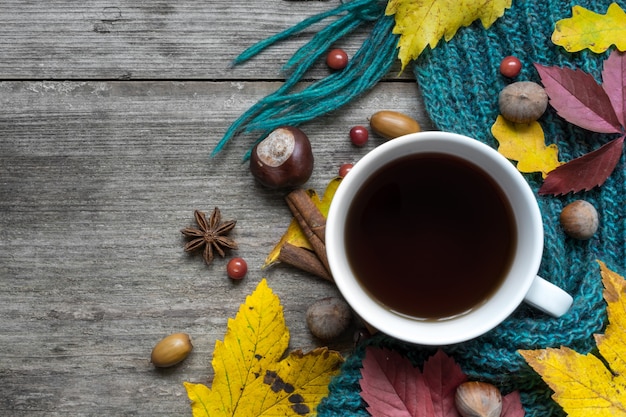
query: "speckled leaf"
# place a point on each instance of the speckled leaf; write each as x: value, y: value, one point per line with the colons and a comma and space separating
x: 251, y: 378
x: 294, y: 234
x: 586, y: 385
x: 587, y: 29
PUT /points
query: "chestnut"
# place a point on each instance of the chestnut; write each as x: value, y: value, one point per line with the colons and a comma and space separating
x: 328, y: 318
x: 523, y: 101
x: 283, y: 159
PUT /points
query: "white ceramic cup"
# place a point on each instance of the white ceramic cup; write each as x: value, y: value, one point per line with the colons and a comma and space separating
x: 519, y: 285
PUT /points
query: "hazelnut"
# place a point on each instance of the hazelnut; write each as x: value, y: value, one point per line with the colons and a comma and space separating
x: 328, y: 318
x: 283, y: 159
x: 478, y: 399
x: 171, y: 350
x: 579, y: 220
x: 523, y: 101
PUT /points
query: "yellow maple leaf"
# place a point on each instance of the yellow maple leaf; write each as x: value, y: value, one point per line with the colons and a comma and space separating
x: 586, y: 29
x: 294, y: 234
x: 583, y: 384
x: 422, y: 23
x: 251, y: 379
x: 525, y: 143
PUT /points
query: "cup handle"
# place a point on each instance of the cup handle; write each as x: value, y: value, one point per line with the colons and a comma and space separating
x: 548, y: 298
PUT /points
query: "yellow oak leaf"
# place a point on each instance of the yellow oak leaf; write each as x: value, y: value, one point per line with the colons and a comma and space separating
x: 583, y: 384
x: 586, y: 29
x: 294, y: 234
x: 525, y: 143
x: 251, y: 378
x: 422, y: 23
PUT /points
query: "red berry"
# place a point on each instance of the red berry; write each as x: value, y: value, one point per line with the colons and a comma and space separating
x: 344, y: 169
x: 237, y: 268
x: 337, y: 59
x: 359, y: 135
x: 510, y: 66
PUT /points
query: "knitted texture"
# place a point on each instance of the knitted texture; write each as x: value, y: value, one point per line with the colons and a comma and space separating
x: 460, y: 83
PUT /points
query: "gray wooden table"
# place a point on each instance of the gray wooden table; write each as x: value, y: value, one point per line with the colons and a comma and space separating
x: 108, y: 114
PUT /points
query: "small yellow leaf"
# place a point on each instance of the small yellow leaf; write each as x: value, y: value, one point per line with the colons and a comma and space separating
x: 250, y: 378
x: 422, y: 23
x: 586, y: 385
x: 586, y: 29
x: 525, y: 143
x: 294, y: 234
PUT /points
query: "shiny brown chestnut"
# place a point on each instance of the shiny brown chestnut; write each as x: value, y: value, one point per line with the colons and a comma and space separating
x: 283, y: 159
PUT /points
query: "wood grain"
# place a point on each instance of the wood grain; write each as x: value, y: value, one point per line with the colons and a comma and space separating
x: 63, y: 39
x: 96, y: 180
x: 108, y: 114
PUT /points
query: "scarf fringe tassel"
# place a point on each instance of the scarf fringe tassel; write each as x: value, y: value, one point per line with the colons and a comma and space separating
x: 289, y: 107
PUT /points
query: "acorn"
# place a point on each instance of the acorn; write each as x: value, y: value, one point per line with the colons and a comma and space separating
x: 478, y: 399
x: 392, y: 124
x: 523, y: 102
x: 328, y: 318
x: 283, y: 159
x: 579, y: 220
x: 171, y: 350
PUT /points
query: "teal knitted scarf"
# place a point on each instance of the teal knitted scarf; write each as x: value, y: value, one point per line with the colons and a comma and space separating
x: 460, y: 82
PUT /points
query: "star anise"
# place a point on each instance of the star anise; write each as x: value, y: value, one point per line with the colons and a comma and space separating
x: 210, y: 235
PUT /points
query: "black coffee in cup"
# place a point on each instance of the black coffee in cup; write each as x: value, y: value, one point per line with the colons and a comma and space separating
x: 430, y: 236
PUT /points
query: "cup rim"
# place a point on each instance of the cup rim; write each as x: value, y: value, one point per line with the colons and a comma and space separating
x: 464, y: 327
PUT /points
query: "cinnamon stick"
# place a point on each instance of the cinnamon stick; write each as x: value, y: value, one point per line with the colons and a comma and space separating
x: 303, y: 259
x: 311, y: 221
x: 316, y: 221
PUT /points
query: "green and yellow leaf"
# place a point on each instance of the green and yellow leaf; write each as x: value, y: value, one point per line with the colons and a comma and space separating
x: 251, y: 378
x: 586, y: 29
x: 422, y: 23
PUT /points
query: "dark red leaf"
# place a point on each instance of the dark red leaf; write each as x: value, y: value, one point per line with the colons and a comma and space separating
x: 584, y: 173
x: 392, y: 386
x: 443, y: 375
x: 614, y: 81
x: 579, y: 99
x: 512, y: 405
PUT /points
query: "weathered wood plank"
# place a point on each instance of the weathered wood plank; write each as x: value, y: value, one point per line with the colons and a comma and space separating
x: 63, y: 39
x: 96, y: 180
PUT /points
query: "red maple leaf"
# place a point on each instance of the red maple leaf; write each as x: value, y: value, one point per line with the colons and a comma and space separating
x: 393, y: 387
x: 579, y: 99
